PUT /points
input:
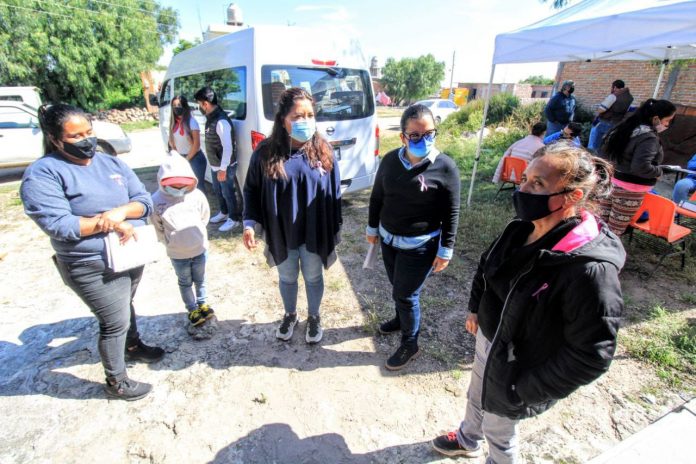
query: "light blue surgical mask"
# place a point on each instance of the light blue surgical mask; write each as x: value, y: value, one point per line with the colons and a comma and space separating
x: 175, y: 192
x: 421, y: 148
x: 303, y: 130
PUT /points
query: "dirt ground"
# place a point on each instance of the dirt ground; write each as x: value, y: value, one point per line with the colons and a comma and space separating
x: 245, y: 397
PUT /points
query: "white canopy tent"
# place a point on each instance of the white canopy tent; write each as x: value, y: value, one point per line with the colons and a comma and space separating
x: 660, y: 30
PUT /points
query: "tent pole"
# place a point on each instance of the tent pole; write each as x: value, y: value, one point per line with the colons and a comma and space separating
x: 659, y: 78
x: 480, y: 139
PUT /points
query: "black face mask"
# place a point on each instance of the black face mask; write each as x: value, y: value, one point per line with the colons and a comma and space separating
x: 530, y: 207
x: 84, y: 149
x: 178, y: 111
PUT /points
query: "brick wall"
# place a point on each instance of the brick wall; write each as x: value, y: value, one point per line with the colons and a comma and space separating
x: 593, y: 80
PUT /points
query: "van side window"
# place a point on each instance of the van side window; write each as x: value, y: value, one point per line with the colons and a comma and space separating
x: 166, y: 93
x: 229, y: 85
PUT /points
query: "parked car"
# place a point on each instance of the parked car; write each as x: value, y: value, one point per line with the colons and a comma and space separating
x: 21, y: 140
x: 440, y: 108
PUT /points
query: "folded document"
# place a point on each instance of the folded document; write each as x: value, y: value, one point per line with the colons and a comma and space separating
x: 141, y: 249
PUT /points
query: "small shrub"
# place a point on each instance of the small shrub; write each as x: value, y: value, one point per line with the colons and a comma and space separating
x: 501, y: 107
x: 525, y: 116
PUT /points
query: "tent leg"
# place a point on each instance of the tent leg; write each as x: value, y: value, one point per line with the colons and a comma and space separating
x: 659, y: 78
x: 480, y: 139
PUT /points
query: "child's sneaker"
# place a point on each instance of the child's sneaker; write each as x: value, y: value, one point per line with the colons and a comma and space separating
x: 314, y: 330
x: 206, y: 310
x: 196, y: 317
x: 284, y: 332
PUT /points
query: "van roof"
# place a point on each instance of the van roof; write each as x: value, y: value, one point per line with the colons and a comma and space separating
x: 268, y: 45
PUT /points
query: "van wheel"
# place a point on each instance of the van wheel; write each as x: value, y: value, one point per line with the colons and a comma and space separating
x: 104, y: 147
x: 438, y: 120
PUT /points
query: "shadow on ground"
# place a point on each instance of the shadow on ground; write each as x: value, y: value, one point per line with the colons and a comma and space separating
x: 279, y: 443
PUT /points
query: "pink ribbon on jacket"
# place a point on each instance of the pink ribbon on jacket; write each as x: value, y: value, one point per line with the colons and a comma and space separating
x: 423, y: 185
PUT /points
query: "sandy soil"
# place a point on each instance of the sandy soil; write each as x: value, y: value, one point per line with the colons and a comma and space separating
x: 245, y: 397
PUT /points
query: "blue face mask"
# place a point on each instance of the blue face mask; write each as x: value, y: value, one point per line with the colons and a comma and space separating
x: 175, y: 192
x: 421, y: 148
x: 303, y: 130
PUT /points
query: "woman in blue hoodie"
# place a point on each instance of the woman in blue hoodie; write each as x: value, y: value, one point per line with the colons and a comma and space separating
x: 76, y: 196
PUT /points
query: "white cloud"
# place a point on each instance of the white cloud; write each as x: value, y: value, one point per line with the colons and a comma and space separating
x: 313, y: 7
x: 340, y: 14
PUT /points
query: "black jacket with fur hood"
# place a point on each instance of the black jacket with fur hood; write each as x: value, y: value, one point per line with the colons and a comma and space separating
x: 552, y: 316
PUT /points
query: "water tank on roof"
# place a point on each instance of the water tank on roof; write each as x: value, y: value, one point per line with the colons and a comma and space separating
x: 234, y: 15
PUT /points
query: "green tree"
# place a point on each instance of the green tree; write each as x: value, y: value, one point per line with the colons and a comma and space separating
x: 412, y: 78
x: 537, y: 80
x: 185, y: 45
x: 84, y: 52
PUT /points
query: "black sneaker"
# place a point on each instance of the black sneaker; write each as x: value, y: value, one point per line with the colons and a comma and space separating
x: 196, y: 317
x: 284, y: 331
x: 206, y: 310
x: 127, y: 389
x: 401, y: 357
x: 143, y: 353
x: 314, y: 330
x: 391, y: 326
x: 449, y: 446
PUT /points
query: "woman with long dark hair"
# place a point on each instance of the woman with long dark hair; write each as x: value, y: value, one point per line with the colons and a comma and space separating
x: 185, y: 137
x: 634, y: 147
x: 293, y: 193
x: 76, y: 196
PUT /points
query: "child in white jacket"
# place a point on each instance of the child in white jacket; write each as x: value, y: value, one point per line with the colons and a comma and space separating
x: 180, y: 216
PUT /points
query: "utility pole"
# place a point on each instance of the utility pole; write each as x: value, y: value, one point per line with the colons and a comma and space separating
x: 451, y: 93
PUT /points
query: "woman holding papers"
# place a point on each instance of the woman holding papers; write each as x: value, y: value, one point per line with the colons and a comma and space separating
x: 414, y: 212
x: 76, y: 196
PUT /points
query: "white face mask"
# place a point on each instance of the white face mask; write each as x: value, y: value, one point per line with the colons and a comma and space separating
x: 660, y: 128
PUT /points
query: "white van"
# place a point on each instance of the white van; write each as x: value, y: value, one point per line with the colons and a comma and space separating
x: 249, y: 69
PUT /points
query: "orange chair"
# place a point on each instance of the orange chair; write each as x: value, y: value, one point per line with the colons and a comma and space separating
x: 512, y: 173
x: 661, y: 224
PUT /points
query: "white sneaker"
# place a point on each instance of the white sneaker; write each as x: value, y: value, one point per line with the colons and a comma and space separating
x: 219, y: 217
x: 228, y: 225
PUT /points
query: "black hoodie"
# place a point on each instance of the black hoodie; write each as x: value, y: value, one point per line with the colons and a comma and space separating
x: 552, y: 316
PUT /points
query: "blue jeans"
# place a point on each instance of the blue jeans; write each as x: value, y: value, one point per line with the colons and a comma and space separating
x: 313, y: 274
x: 597, y: 134
x: 553, y: 127
x: 500, y: 432
x: 190, y: 272
x: 407, y: 271
x: 224, y: 191
x: 683, y: 190
x: 199, y: 165
x: 109, y: 296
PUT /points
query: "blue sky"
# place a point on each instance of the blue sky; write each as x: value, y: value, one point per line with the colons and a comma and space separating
x: 392, y: 28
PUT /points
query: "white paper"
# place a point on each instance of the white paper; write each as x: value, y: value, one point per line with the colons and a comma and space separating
x: 371, y: 256
x: 135, y: 252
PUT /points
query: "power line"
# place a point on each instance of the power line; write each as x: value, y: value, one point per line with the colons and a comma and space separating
x: 100, y: 12
x: 64, y: 16
x: 128, y: 7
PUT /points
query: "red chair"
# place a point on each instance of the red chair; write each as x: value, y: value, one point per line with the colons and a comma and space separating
x: 511, y: 173
x: 661, y: 224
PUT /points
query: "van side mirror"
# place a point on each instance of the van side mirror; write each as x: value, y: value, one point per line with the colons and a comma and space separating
x: 153, y: 99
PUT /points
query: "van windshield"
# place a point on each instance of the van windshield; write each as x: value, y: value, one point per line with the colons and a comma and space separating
x: 339, y: 93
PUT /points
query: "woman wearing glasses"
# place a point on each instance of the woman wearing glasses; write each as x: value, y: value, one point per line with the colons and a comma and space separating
x: 414, y: 210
